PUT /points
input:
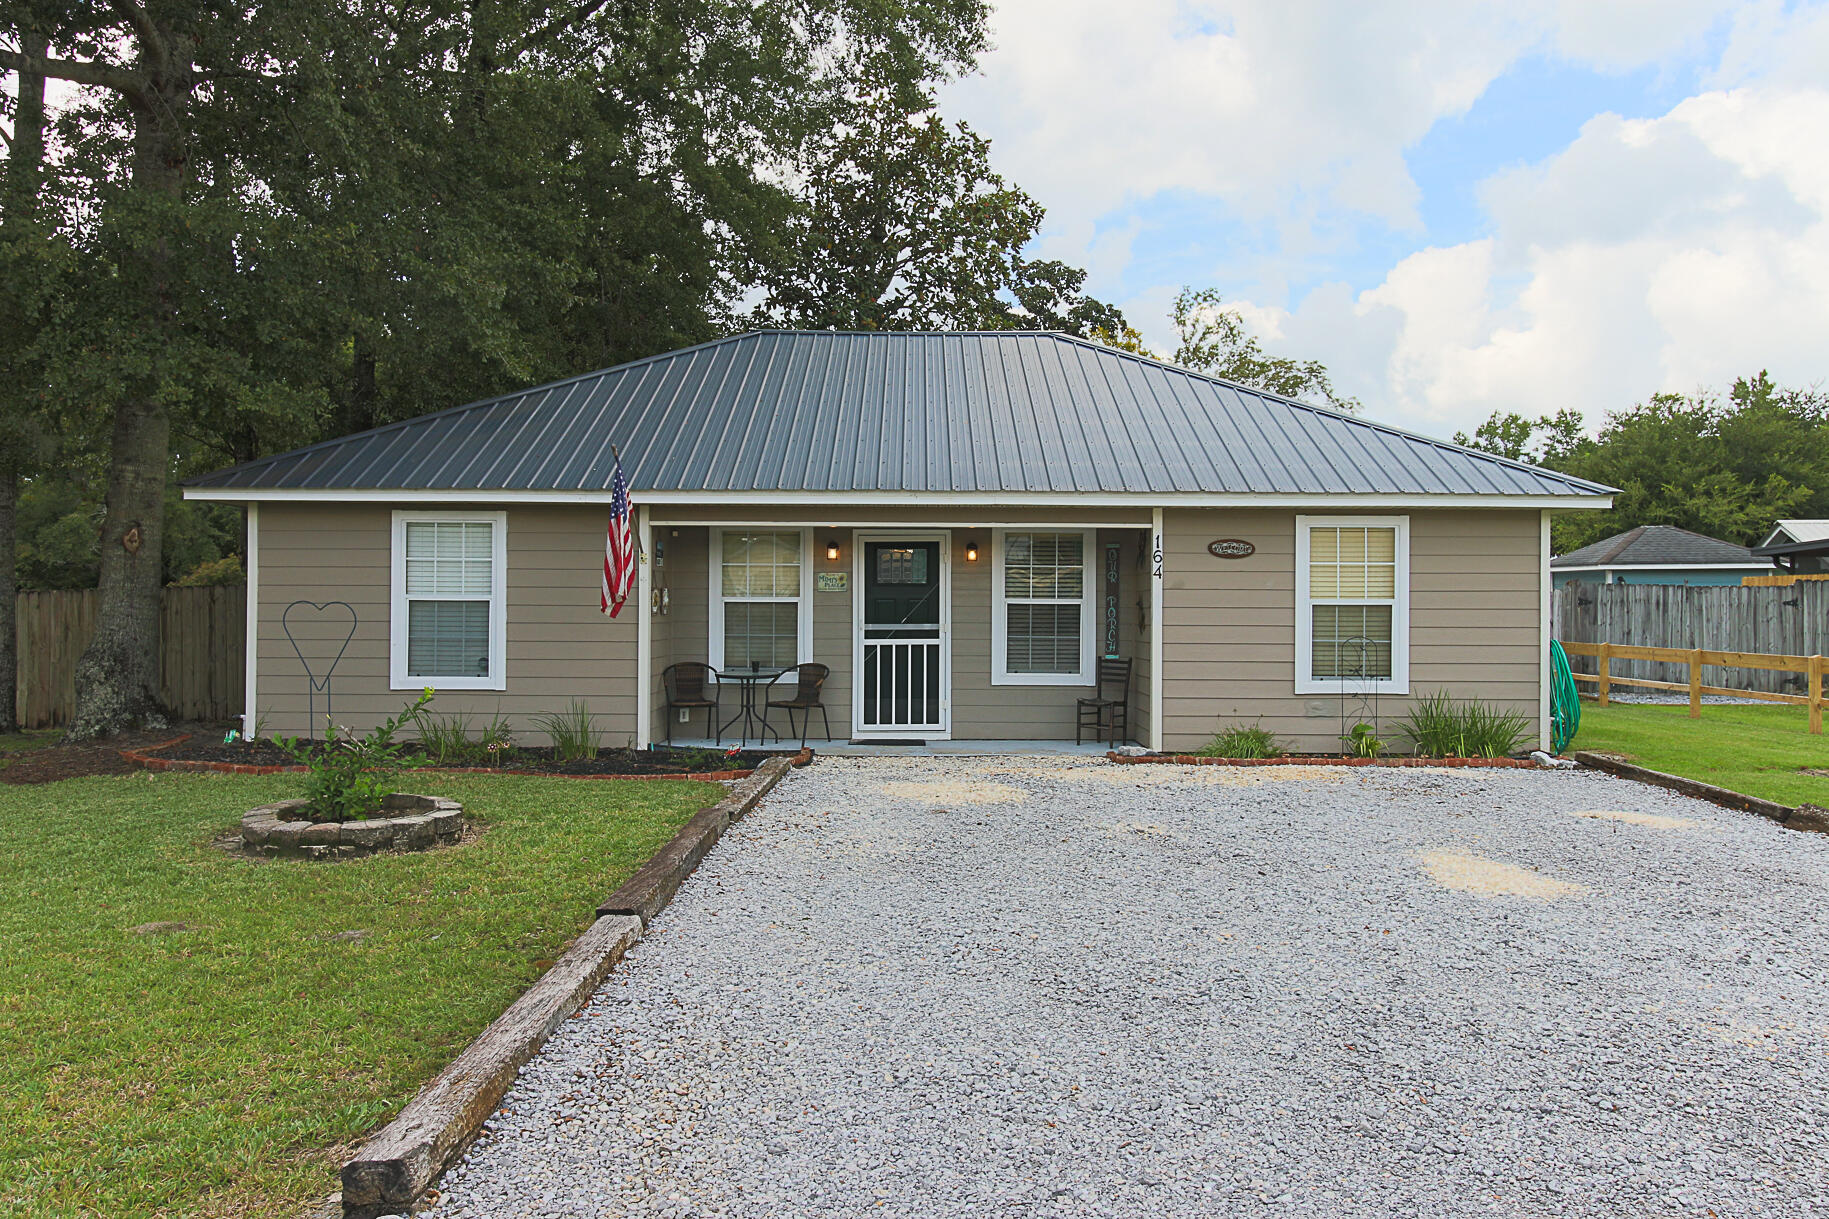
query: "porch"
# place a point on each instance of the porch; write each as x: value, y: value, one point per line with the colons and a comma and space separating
x: 968, y: 635
x: 841, y: 748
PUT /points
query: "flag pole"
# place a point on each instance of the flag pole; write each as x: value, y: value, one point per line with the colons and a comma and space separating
x: 640, y: 550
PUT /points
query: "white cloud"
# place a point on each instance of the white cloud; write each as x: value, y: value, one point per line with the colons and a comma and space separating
x: 1259, y: 102
x: 1665, y: 254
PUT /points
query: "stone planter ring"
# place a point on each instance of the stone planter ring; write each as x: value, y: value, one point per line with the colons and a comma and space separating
x: 409, y: 823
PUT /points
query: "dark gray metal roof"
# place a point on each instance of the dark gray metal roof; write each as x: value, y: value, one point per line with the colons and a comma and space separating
x: 1657, y: 546
x: 975, y: 413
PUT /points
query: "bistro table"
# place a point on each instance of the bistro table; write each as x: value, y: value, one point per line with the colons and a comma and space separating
x: 749, y: 680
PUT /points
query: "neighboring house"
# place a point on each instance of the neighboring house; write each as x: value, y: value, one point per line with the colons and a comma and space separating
x: 1658, y: 554
x: 1797, y: 546
x: 960, y: 525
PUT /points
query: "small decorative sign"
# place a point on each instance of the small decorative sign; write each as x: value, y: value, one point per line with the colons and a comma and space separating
x: 1231, y: 548
x: 1113, y: 582
x: 832, y: 581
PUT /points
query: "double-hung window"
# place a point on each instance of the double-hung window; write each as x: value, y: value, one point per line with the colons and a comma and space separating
x: 1352, y: 604
x: 760, y: 591
x: 1041, y: 608
x: 449, y: 620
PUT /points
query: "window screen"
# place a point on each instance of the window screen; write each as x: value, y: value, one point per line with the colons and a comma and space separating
x: 1352, y: 585
x: 1044, y: 590
x: 450, y: 581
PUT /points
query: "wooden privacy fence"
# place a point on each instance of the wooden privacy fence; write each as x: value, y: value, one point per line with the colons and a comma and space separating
x: 1782, y: 621
x: 1695, y: 660
x: 201, y: 634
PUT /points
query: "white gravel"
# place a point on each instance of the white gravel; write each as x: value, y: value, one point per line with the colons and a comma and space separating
x: 1148, y: 991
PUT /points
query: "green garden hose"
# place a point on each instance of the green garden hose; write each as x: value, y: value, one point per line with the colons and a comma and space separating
x: 1565, y: 700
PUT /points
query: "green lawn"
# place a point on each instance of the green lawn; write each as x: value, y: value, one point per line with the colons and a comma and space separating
x: 225, y: 1070
x: 1758, y: 751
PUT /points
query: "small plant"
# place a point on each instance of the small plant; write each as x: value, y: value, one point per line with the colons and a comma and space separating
x: 1240, y: 741
x: 497, y: 741
x: 1441, y: 728
x: 347, y: 776
x: 1363, y: 742
x: 573, y: 732
x: 446, y: 740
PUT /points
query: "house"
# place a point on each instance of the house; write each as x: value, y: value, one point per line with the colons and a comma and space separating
x: 1658, y: 554
x: 1796, y: 546
x: 959, y: 524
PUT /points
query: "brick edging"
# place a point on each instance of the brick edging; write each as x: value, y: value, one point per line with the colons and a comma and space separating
x: 392, y: 1169
x: 1769, y: 809
x: 1190, y: 759
x: 145, y: 757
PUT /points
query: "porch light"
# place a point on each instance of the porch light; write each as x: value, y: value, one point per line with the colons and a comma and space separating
x: 971, y: 550
x: 831, y: 550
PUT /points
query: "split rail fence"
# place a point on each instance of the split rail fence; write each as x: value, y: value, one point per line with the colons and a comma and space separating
x: 201, y: 635
x: 1694, y: 660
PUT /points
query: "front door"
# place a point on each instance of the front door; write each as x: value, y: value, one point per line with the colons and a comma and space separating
x: 903, y: 661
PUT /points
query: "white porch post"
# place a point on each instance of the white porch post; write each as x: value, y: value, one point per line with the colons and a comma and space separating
x: 1545, y: 741
x: 1155, y: 630
x: 250, y: 714
x: 644, y: 629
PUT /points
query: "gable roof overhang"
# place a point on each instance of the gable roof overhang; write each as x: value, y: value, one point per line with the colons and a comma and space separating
x: 961, y: 418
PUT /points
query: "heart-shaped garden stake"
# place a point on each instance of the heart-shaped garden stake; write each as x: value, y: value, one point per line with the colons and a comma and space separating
x: 321, y: 627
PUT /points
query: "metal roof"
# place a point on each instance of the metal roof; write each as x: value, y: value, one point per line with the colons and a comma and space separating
x: 1003, y: 412
x: 1658, y: 546
x: 1798, y: 531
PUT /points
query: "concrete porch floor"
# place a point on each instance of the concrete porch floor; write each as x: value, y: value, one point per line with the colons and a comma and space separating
x: 842, y: 748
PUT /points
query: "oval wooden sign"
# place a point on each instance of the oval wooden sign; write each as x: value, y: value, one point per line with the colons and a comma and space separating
x: 1231, y: 548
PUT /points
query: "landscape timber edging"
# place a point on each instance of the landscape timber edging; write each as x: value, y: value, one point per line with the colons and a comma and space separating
x: 1769, y: 809
x: 1194, y: 759
x: 391, y: 1170
x: 647, y: 892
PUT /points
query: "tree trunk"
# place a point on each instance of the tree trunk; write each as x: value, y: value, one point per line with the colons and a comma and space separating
x: 18, y: 211
x: 117, y: 677
x: 9, y: 597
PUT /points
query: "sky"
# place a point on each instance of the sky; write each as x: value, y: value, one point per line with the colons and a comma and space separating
x: 1458, y: 208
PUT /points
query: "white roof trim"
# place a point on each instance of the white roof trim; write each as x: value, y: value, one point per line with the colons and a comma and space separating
x: 374, y: 495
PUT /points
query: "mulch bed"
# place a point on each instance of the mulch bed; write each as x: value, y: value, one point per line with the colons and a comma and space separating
x: 261, y: 757
x: 1322, y: 759
x: 50, y: 763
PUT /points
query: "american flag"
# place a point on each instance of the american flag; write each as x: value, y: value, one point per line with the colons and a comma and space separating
x: 618, y: 548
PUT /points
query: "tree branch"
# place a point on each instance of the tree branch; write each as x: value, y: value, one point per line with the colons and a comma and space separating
x: 552, y: 29
x: 101, y: 75
x: 151, y: 37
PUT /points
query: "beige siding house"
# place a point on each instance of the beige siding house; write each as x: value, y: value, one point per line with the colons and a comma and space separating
x: 961, y: 527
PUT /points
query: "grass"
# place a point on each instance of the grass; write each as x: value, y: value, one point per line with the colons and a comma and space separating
x: 1758, y: 751
x: 32, y: 738
x: 225, y: 1070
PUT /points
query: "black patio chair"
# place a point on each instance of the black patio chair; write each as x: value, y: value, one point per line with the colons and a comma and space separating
x: 810, y: 677
x: 692, y: 683
x: 1110, y: 704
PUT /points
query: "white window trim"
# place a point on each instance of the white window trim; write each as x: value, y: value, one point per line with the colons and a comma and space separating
x: 1399, y: 681
x: 804, y: 644
x: 1000, y: 615
x: 498, y: 605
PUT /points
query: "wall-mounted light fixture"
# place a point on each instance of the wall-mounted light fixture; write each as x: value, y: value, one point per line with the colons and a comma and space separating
x: 971, y: 550
x: 831, y: 550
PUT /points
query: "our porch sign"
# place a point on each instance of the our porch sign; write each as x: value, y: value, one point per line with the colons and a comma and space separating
x: 1111, y: 600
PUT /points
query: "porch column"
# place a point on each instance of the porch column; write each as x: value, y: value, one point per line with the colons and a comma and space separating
x: 1545, y: 738
x: 1155, y: 630
x: 644, y: 629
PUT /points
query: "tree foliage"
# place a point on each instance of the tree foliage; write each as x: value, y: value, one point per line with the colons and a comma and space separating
x: 902, y: 224
x: 1215, y: 340
x: 1727, y: 468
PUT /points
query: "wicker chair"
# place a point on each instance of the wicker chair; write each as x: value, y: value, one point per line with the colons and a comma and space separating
x: 806, y: 697
x: 692, y: 683
x: 1110, y: 704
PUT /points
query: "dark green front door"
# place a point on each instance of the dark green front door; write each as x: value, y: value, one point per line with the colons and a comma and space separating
x: 902, y: 677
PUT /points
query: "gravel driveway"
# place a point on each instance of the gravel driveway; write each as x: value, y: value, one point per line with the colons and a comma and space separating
x: 1058, y: 987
